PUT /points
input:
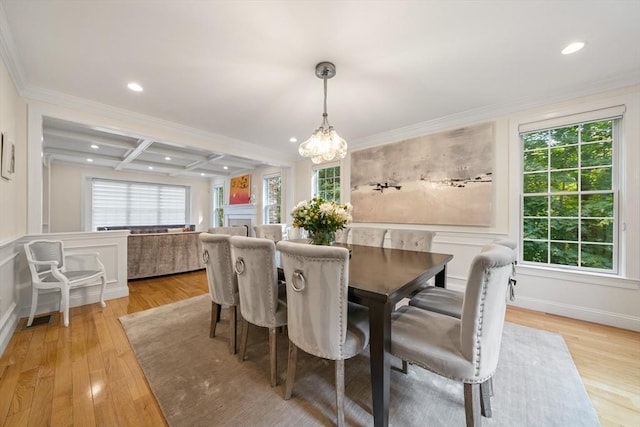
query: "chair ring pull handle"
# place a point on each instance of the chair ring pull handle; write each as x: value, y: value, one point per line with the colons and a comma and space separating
x: 205, y: 256
x: 239, y: 267
x: 298, y: 277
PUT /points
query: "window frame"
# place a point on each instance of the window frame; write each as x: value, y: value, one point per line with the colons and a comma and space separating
x: 315, y: 184
x: 266, y: 205
x: 616, y: 114
x: 91, y: 226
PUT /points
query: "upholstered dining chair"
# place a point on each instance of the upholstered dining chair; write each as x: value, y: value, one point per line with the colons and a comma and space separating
x: 411, y: 240
x: 232, y: 231
x: 222, y: 281
x: 260, y: 302
x: 449, y: 301
x: 52, y: 268
x: 268, y: 231
x: 321, y: 320
x: 465, y: 349
x: 368, y: 236
x: 342, y: 236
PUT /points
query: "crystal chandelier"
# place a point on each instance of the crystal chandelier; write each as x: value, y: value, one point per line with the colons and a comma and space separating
x: 324, y: 144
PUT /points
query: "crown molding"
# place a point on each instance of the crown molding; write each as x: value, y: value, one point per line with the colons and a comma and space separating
x: 8, y: 52
x: 496, y: 110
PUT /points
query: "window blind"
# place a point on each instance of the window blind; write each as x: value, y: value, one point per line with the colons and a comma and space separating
x: 122, y: 203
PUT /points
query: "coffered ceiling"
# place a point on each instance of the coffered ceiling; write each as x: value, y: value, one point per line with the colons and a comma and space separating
x: 242, y: 72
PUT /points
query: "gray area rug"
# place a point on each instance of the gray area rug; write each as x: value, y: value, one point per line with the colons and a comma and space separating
x: 198, y: 383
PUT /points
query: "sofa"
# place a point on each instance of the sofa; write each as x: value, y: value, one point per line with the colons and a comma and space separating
x: 157, y: 254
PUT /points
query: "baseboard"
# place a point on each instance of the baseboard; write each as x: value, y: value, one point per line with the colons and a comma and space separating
x: 587, y: 314
x: 8, y: 324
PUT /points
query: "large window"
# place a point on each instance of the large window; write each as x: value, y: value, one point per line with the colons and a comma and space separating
x: 326, y: 183
x: 117, y: 203
x: 569, y: 215
x: 271, y: 190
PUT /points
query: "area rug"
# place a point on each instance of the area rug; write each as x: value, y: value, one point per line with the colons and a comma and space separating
x: 198, y: 383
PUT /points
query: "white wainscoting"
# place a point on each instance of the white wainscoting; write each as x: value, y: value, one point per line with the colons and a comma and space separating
x: 15, y: 279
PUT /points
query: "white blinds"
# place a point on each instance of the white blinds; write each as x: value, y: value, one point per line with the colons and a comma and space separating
x: 116, y: 203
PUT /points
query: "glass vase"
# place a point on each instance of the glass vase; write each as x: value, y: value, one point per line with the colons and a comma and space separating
x: 322, y: 237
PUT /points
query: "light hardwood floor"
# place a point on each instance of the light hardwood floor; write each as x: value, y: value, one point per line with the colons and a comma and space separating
x: 87, y: 374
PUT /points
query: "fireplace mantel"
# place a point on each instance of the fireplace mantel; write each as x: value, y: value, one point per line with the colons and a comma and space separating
x: 240, y: 215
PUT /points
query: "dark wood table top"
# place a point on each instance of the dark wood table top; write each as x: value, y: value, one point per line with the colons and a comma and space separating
x: 390, y: 274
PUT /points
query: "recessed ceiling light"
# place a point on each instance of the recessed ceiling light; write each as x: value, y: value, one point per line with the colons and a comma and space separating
x: 150, y: 167
x: 167, y: 158
x: 572, y: 48
x: 293, y: 139
x: 94, y: 146
x: 202, y: 174
x: 89, y: 160
x: 225, y: 167
x: 135, y: 87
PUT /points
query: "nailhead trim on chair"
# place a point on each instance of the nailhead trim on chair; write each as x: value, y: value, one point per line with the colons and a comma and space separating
x: 481, y: 321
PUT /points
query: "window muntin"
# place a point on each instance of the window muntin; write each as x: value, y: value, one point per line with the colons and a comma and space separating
x: 326, y: 183
x: 127, y: 203
x: 569, y: 217
x: 272, y: 187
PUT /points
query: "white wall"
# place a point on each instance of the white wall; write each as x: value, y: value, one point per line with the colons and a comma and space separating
x: 607, y: 299
x: 68, y: 194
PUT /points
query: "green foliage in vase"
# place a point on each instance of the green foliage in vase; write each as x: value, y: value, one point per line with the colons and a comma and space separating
x: 320, y: 215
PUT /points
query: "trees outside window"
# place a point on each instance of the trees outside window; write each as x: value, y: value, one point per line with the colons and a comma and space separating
x: 569, y: 215
x: 326, y: 183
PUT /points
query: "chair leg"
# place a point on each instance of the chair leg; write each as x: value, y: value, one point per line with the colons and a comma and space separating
x: 291, y: 370
x: 243, y: 339
x: 472, y: 404
x: 490, y: 386
x: 65, y: 303
x: 218, y: 312
x: 232, y: 328
x: 485, y: 399
x: 340, y: 391
x: 405, y: 367
x: 103, y: 278
x: 273, y: 355
x: 215, y: 308
x: 34, y: 305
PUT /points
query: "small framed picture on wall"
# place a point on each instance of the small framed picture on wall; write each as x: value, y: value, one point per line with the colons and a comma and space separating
x: 8, y: 160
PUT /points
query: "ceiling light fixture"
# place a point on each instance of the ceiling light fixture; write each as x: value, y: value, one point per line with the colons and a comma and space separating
x: 89, y: 160
x: 150, y: 167
x: 135, y: 87
x: 572, y: 48
x: 225, y: 167
x: 167, y: 158
x: 95, y: 146
x: 325, y: 144
x: 293, y: 139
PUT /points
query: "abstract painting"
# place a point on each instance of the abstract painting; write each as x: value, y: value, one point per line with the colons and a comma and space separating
x: 444, y: 178
x: 240, y: 193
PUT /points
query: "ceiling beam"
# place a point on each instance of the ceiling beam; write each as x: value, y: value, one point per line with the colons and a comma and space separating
x: 197, y: 164
x: 135, y: 153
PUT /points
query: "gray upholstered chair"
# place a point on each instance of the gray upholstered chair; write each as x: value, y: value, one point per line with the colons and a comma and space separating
x: 222, y: 281
x: 449, y: 301
x: 321, y: 320
x: 342, y: 236
x: 232, y: 231
x: 260, y: 302
x: 268, y: 231
x: 368, y: 236
x: 411, y: 240
x: 51, y: 268
x: 465, y: 349
x: 295, y: 233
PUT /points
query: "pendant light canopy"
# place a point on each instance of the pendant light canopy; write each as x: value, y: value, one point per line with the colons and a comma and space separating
x: 324, y: 144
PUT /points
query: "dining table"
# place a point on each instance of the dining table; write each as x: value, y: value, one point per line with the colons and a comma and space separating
x: 379, y: 278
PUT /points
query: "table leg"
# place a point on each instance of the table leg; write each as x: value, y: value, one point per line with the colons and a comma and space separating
x: 379, y: 348
x: 441, y: 277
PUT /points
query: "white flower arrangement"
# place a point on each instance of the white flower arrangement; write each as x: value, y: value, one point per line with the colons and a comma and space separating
x: 320, y: 216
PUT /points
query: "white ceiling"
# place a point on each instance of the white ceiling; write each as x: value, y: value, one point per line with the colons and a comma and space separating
x: 244, y: 70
